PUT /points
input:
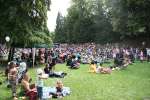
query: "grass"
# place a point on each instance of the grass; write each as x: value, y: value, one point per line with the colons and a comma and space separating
x: 132, y: 83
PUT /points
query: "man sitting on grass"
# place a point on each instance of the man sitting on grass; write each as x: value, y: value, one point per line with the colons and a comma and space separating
x: 29, y: 90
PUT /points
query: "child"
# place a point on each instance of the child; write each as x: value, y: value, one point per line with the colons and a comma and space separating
x: 59, y: 89
x: 40, y: 83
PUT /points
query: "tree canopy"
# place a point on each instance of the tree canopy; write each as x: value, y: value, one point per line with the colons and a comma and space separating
x: 25, y: 21
x: 104, y: 21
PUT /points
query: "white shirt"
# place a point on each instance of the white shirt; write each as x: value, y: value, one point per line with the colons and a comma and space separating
x: 148, y: 51
x: 40, y: 82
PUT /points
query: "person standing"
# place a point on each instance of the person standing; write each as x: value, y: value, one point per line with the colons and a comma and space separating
x: 40, y: 83
x: 12, y: 77
x: 148, y: 54
x: 141, y: 56
x: 54, y: 60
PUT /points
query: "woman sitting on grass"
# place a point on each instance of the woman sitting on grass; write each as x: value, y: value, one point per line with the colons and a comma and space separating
x: 93, y: 68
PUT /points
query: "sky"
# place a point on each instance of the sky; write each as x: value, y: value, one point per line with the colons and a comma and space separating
x: 56, y: 6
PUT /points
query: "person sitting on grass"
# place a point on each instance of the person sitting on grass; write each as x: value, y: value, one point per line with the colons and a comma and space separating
x: 92, y: 68
x: 118, y: 60
x: 105, y: 70
x: 69, y: 60
x: 74, y: 63
x: 29, y: 90
x: 126, y: 61
x: 47, y: 69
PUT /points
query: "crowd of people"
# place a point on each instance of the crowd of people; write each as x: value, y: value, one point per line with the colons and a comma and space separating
x: 17, y: 73
x: 72, y: 55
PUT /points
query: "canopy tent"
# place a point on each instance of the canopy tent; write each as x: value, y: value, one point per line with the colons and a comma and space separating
x: 42, y: 46
x: 39, y: 45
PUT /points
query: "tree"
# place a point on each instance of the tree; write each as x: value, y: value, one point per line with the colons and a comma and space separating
x: 119, y: 15
x: 129, y: 18
x: 78, y: 23
x: 102, y: 25
x: 59, y: 31
x: 139, y: 17
x: 25, y: 18
x: 86, y: 22
x: 105, y: 21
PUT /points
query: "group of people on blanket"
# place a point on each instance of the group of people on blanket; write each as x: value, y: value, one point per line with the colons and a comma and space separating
x: 17, y: 73
x: 47, y: 92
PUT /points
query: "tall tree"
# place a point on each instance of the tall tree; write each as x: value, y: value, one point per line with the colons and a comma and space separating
x: 102, y: 25
x: 59, y: 31
x: 78, y: 23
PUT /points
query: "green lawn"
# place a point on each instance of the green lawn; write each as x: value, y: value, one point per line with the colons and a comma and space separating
x: 130, y: 84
